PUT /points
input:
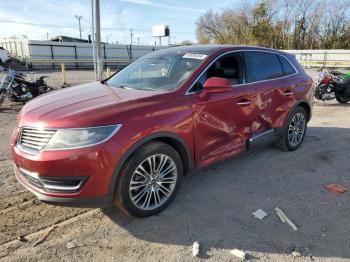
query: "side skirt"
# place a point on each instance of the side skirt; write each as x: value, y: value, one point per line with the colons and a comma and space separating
x: 263, y: 139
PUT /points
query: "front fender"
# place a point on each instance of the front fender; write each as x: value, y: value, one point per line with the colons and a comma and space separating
x: 132, y: 149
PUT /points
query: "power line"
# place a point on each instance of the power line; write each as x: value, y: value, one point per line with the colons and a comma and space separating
x: 121, y: 20
x: 73, y: 27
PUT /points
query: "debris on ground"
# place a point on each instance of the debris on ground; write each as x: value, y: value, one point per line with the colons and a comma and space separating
x: 284, y: 218
x: 71, y: 245
x: 301, y: 251
x: 260, y: 214
x: 22, y: 238
x: 195, y: 249
x: 239, y: 253
x: 296, y: 254
x: 41, y: 240
x: 335, y: 188
x: 36, y: 201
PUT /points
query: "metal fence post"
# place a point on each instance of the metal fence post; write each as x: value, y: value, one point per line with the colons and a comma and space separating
x: 76, y: 56
x: 52, y: 56
x: 104, y: 55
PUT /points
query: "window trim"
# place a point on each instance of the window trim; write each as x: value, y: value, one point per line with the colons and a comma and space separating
x: 188, y: 92
x: 279, y: 58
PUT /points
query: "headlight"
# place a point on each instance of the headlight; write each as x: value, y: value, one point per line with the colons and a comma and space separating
x: 71, y: 138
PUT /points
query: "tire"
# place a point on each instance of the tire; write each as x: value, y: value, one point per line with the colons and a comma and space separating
x: 2, y: 97
x: 342, y: 100
x: 287, y: 142
x: 147, y: 198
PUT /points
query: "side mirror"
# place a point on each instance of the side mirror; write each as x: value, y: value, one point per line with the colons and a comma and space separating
x: 217, y: 85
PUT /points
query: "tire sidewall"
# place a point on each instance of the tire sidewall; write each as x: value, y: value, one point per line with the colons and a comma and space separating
x: 341, y: 100
x: 286, y: 128
x: 122, y: 196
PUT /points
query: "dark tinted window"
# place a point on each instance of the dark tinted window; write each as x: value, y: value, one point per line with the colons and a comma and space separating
x: 286, y: 66
x: 262, y: 66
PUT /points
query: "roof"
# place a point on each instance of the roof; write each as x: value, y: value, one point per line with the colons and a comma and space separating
x: 209, y: 49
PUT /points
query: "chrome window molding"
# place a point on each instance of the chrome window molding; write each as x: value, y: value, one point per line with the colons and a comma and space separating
x: 188, y: 92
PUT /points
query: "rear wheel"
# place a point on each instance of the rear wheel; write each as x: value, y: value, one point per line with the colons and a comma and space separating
x: 342, y: 100
x: 149, y: 180
x: 293, y: 132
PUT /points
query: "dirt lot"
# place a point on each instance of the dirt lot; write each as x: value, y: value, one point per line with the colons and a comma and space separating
x: 213, y: 206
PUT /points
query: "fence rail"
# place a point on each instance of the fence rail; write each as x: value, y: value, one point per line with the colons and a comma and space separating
x: 44, y: 54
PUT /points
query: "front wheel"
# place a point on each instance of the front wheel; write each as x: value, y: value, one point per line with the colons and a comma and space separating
x: 342, y: 100
x: 149, y: 180
x: 294, y: 131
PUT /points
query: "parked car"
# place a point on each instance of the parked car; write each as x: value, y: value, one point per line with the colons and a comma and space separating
x: 131, y: 138
x: 4, y: 55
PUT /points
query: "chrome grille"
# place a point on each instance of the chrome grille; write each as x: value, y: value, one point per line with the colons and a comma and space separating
x: 35, y: 139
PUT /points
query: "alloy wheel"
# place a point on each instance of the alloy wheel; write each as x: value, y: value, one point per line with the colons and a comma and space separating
x: 296, y: 129
x: 153, y: 182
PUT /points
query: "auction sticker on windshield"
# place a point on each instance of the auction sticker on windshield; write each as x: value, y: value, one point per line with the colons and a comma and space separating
x: 195, y: 56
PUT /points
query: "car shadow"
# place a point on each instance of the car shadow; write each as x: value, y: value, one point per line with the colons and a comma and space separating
x: 215, y: 206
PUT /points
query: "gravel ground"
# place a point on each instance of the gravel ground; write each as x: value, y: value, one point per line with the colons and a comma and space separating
x: 213, y: 207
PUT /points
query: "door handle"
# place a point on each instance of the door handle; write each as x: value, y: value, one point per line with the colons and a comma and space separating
x: 243, y: 103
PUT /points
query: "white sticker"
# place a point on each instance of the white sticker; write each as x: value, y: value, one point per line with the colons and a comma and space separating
x: 195, y: 56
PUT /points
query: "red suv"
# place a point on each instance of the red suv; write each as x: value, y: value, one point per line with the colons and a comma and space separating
x: 131, y: 138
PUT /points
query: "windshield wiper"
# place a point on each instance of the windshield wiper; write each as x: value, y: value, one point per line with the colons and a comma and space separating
x: 146, y: 88
x: 121, y: 86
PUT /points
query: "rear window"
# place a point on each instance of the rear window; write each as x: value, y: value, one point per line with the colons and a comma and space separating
x: 288, y: 69
x: 263, y: 66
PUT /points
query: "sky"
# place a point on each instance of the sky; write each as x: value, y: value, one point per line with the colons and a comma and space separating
x: 44, y: 18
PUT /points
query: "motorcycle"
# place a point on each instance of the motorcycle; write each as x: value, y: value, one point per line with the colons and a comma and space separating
x: 18, y: 89
x: 333, y: 85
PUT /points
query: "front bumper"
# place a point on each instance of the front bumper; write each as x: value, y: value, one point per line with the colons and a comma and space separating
x: 91, y: 167
x: 99, y: 201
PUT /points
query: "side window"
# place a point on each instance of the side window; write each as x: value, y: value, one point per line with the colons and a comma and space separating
x: 262, y: 66
x: 288, y: 69
x: 230, y: 67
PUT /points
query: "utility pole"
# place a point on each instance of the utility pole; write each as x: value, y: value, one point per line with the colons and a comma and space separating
x: 138, y: 40
x: 131, y: 36
x: 98, y: 41
x: 93, y: 38
x: 79, y: 17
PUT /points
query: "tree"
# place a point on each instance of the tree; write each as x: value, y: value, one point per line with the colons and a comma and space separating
x: 282, y: 24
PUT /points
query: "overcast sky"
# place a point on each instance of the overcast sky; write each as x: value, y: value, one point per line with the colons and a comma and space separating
x: 59, y: 18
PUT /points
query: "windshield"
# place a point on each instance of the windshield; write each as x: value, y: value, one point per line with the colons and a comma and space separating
x: 157, y: 73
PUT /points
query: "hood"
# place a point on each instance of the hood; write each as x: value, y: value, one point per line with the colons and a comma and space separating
x: 91, y: 104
